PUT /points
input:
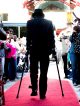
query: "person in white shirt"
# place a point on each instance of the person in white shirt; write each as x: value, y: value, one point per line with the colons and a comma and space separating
x: 64, y: 39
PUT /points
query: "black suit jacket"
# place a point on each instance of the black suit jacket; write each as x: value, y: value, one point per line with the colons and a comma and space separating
x: 40, y: 36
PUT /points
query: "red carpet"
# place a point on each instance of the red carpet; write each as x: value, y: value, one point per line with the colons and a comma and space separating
x: 53, y: 97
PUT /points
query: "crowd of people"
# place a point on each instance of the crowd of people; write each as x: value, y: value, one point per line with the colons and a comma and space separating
x: 10, y: 50
x: 40, y: 44
x: 40, y: 48
x: 70, y: 53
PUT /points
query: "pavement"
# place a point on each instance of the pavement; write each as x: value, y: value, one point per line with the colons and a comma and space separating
x: 52, y: 74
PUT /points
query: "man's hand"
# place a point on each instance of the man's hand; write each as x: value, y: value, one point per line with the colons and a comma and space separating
x: 53, y: 52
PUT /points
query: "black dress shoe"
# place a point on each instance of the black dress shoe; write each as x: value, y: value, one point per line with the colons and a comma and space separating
x: 34, y: 93
x: 42, y: 97
x: 66, y: 76
x: 30, y: 86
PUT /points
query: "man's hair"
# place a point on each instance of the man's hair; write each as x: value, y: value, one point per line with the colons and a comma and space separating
x: 76, y: 28
x: 38, y: 13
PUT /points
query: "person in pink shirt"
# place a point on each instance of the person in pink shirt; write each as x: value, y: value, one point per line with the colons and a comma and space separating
x: 10, y: 61
x: 12, y: 52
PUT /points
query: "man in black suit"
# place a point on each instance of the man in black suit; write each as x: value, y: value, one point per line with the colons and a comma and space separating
x: 40, y: 42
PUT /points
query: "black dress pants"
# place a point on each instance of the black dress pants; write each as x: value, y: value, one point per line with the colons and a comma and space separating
x: 44, y: 63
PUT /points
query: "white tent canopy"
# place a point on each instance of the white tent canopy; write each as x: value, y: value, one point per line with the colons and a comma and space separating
x: 13, y: 24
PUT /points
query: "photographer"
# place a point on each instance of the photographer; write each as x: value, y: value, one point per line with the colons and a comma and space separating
x: 65, y: 43
x: 3, y: 48
x: 75, y: 54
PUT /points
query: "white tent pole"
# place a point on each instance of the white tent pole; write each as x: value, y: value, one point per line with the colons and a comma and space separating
x: 18, y: 31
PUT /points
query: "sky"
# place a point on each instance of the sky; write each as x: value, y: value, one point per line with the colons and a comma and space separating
x: 11, y: 5
x: 17, y: 13
x: 15, y: 9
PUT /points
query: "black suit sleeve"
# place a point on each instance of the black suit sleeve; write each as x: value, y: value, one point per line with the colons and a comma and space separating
x: 51, y: 39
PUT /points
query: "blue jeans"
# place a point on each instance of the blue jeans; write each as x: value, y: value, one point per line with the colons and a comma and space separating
x: 74, y: 66
x: 12, y: 68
